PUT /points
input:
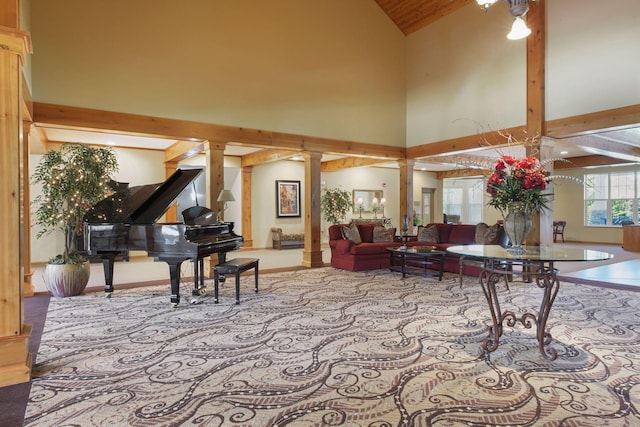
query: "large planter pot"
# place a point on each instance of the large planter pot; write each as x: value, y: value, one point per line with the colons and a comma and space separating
x: 517, y: 225
x: 66, y: 280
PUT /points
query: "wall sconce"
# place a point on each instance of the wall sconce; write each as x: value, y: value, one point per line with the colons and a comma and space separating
x: 225, y: 196
x: 374, y: 207
x: 359, y: 204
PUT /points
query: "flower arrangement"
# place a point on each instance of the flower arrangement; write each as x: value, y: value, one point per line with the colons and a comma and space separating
x: 518, y: 182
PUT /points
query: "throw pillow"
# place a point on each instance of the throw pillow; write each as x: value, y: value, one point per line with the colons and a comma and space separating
x: 486, y: 235
x: 351, y: 233
x: 381, y: 234
x: 429, y: 234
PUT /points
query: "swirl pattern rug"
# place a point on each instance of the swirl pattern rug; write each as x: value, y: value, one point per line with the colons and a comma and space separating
x: 325, y: 347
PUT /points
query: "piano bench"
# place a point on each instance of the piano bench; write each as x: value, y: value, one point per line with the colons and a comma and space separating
x: 234, y: 266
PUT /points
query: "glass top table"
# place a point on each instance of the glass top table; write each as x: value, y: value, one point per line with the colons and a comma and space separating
x: 538, y: 254
x: 536, y: 263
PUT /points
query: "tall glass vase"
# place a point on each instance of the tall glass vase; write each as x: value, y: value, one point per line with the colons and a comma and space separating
x: 517, y: 225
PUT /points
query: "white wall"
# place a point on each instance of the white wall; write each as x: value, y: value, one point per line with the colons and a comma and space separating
x: 330, y: 68
x: 137, y: 167
x: 593, y: 56
x: 263, y: 207
x: 367, y: 178
x: 465, y: 77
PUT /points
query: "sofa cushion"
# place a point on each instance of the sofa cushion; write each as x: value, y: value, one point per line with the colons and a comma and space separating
x: 335, y: 231
x: 462, y: 234
x: 429, y: 234
x: 486, y: 235
x: 381, y: 234
x: 352, y: 233
x: 366, y: 231
x: 371, y: 248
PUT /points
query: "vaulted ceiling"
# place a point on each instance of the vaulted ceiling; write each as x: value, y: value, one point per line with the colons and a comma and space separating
x: 412, y: 15
x: 621, y: 144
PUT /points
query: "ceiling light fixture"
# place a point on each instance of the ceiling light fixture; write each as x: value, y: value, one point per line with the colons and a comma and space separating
x: 518, y: 9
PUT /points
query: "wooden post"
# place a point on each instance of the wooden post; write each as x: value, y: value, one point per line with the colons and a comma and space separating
x: 312, y: 253
x: 406, y: 192
x: 29, y: 289
x: 535, y: 105
x: 172, y: 212
x: 15, y: 359
x: 247, y: 174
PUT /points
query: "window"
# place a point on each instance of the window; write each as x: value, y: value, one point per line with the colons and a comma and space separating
x: 611, y: 198
x: 463, y: 199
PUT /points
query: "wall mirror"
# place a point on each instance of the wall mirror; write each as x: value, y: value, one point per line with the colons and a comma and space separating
x: 366, y: 197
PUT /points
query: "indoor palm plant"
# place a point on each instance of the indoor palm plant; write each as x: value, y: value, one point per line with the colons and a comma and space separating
x: 335, y: 204
x: 72, y: 180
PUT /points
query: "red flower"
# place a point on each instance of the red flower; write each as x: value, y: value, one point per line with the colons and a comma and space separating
x: 494, y: 181
x: 505, y: 161
x: 529, y: 163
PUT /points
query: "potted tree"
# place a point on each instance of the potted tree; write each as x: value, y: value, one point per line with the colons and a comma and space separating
x: 73, y: 179
x: 335, y: 204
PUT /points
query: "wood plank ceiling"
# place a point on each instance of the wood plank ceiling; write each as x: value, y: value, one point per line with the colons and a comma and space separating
x: 412, y: 15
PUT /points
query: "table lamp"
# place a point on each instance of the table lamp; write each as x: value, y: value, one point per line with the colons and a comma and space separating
x: 225, y: 196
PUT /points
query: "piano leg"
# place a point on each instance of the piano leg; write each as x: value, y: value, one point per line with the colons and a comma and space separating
x: 222, y: 258
x: 174, y: 273
x: 108, y: 259
x: 198, y: 278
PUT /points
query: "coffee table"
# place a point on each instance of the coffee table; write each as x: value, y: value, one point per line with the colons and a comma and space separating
x: 410, y: 261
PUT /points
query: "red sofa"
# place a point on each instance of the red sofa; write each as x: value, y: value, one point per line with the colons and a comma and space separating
x: 347, y: 255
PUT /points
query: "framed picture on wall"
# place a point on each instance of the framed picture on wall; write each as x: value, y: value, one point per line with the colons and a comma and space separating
x: 288, y: 198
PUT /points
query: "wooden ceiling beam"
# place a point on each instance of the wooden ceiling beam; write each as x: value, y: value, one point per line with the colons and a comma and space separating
x: 462, y: 173
x: 464, y: 143
x: 134, y: 124
x: 603, y: 146
x: 587, y: 161
x: 181, y: 150
x: 267, y: 156
x: 349, y: 162
x: 616, y: 118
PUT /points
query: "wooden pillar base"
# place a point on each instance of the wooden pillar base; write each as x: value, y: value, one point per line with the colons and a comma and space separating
x: 312, y: 259
x: 29, y: 290
x: 15, y: 364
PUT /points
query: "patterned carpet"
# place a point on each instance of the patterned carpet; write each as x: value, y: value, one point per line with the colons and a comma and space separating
x: 325, y: 347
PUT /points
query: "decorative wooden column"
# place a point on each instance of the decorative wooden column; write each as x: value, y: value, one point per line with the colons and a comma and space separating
x: 406, y: 192
x: 215, y: 174
x: 312, y: 253
x: 535, y: 109
x: 247, y: 222
x: 172, y: 213
x: 15, y: 359
x: 29, y: 289
x: 214, y: 152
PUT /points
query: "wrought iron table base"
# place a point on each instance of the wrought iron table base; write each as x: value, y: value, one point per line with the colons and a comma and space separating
x: 546, y: 279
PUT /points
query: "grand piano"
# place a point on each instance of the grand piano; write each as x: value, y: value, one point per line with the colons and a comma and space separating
x: 127, y: 220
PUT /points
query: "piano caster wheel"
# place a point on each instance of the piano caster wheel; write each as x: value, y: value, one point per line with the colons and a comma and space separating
x: 107, y: 295
x: 174, y: 305
x: 199, y: 292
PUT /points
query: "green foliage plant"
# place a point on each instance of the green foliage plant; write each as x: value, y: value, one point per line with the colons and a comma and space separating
x: 73, y: 179
x: 335, y: 204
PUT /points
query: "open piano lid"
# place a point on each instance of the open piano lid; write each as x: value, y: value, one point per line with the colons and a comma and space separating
x: 142, y: 204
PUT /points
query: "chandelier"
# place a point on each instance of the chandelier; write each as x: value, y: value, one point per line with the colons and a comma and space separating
x: 518, y: 9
